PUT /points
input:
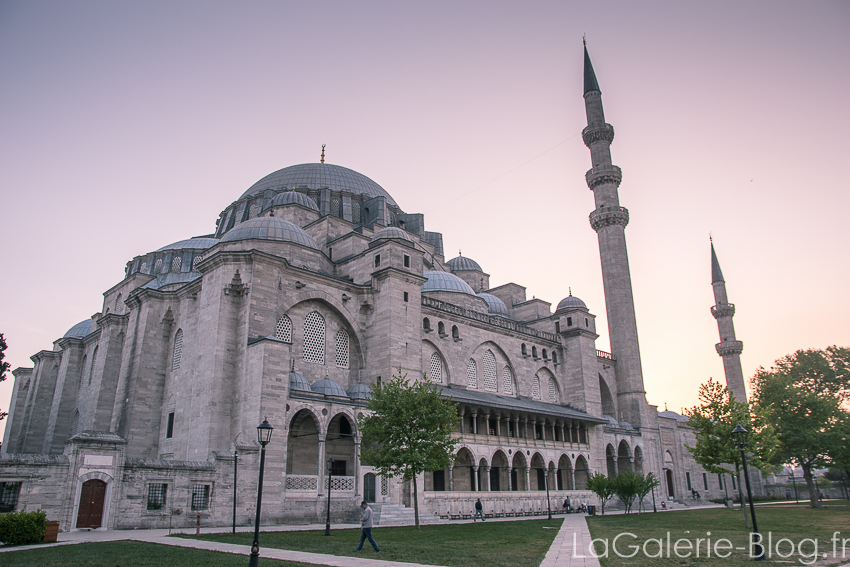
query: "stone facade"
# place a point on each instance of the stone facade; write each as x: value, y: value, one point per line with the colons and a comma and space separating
x: 315, y: 285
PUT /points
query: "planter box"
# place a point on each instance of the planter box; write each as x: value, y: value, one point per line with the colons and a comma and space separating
x: 51, y: 530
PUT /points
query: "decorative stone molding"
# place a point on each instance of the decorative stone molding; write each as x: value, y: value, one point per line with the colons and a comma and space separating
x: 608, y: 217
x: 727, y: 310
x: 729, y: 347
x: 236, y: 288
x: 594, y: 133
x: 602, y: 174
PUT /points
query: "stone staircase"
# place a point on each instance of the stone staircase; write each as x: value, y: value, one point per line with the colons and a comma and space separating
x: 395, y: 515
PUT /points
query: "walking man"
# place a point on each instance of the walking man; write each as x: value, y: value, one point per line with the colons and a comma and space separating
x: 366, y: 527
x: 479, y: 510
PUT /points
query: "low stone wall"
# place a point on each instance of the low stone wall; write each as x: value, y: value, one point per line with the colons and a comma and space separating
x: 526, y: 503
x: 43, y: 481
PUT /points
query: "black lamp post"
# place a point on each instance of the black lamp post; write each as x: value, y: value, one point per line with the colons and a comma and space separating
x: 548, y: 502
x: 264, y: 435
x: 235, y: 460
x: 330, y: 475
x: 740, y: 436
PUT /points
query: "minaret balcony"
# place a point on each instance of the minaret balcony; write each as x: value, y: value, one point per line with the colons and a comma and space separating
x: 595, y: 133
x: 602, y: 174
x: 727, y: 348
x: 724, y: 310
x: 609, y: 216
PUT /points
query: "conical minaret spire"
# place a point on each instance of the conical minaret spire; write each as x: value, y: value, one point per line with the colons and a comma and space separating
x: 609, y: 220
x: 728, y: 348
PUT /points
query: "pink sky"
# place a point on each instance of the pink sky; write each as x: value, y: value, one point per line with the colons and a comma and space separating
x: 127, y: 126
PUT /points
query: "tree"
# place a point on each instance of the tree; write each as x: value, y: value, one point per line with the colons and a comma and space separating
x: 626, y: 486
x: 602, y: 486
x: 805, y: 395
x: 4, y: 366
x: 411, y: 427
x: 648, y: 482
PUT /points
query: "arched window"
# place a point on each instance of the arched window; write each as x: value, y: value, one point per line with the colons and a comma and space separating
x: 83, y: 369
x: 176, y: 263
x: 341, y: 349
x: 93, y: 362
x: 314, y: 338
x: 441, y: 329
x: 554, y: 357
x: 490, y: 371
x: 252, y: 212
x: 335, y: 208
x: 507, y: 380
x: 545, y: 355
x: 471, y: 374
x: 535, y: 387
x: 355, y: 212
x: 553, y: 391
x: 534, y: 352
x: 178, y: 350
x: 455, y: 332
x: 144, y: 268
x: 436, y: 369
x: 75, y: 427
x: 426, y: 324
x: 283, y: 329
x: 195, y: 261
x: 524, y: 350
x: 118, y: 304
x: 157, y: 266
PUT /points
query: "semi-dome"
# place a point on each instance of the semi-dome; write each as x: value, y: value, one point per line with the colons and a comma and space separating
x: 495, y: 306
x: 294, y: 198
x: 445, y: 281
x: 390, y: 232
x: 571, y: 302
x: 270, y: 228
x: 196, y: 243
x: 79, y: 331
x: 360, y: 392
x: 329, y: 388
x: 319, y: 176
x: 298, y: 382
x: 462, y: 263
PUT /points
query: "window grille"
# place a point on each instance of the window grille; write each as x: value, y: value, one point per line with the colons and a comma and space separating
x: 9, y: 492
x: 283, y: 330
x: 315, y: 201
x: 335, y: 207
x: 144, y: 268
x: 490, y: 371
x: 471, y: 374
x: 385, y: 486
x: 195, y: 261
x: 553, y: 391
x: 436, y: 369
x: 535, y: 387
x: 169, y: 426
x: 118, y: 303
x: 200, y: 496
x: 314, y: 338
x: 507, y: 381
x: 157, y: 266
x: 156, y: 496
x: 176, y: 263
x: 75, y: 427
x: 341, y: 349
x: 178, y: 350
x: 252, y: 212
x: 93, y: 362
x: 355, y: 212
x: 439, y: 481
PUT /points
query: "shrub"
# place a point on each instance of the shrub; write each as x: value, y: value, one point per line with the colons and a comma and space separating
x: 22, y: 528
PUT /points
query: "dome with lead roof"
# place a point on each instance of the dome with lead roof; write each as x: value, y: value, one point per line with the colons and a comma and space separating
x: 495, y: 306
x: 270, y: 228
x: 294, y: 198
x: 298, y: 383
x: 196, y: 243
x: 445, y: 281
x: 360, y: 392
x: 462, y: 263
x: 571, y: 302
x: 391, y: 232
x: 328, y: 387
x: 79, y: 331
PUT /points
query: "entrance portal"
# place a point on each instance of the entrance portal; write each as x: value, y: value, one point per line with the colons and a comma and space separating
x: 669, y: 483
x: 91, y: 504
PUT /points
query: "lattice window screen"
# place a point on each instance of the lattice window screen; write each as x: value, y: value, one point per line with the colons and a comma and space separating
x: 195, y: 261
x: 316, y: 201
x: 385, y: 486
x: 355, y: 212
x: 341, y: 349
x: 507, y: 381
x: 335, y: 207
x: 553, y: 392
x: 178, y: 349
x: 471, y: 374
x: 252, y: 212
x: 436, y: 369
x: 535, y: 387
x: 490, y: 371
x: 283, y: 330
x: 157, y: 265
x: 176, y: 263
x: 144, y: 268
x: 314, y: 338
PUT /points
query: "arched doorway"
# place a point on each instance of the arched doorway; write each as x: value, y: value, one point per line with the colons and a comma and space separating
x: 538, y: 476
x: 463, y: 471
x: 518, y: 477
x: 369, y: 487
x: 564, y: 473
x: 624, y: 460
x: 92, y: 495
x: 668, y: 473
x: 499, y: 472
x: 611, y: 460
x: 581, y: 473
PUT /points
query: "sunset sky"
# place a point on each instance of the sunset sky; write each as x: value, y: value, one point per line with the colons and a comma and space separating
x: 126, y: 126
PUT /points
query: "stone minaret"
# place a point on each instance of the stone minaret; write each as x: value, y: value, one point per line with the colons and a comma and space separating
x: 728, y: 348
x: 609, y: 220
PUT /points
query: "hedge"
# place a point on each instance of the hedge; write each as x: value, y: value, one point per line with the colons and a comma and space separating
x: 22, y: 528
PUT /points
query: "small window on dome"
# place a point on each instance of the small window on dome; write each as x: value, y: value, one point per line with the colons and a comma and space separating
x: 195, y: 261
x: 335, y: 209
x: 254, y: 210
x: 545, y: 355
x: 524, y: 350
x: 283, y: 330
x: 554, y: 357
x: 355, y: 212
x: 176, y: 263
x: 557, y: 327
x: 144, y: 268
x: 157, y: 266
x: 569, y: 321
x: 534, y: 352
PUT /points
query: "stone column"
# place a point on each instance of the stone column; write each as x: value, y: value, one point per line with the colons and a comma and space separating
x: 451, y: 479
x: 534, y: 430
x: 510, y: 476
x: 632, y: 464
x: 462, y: 418
x: 525, y: 428
x: 357, y: 479
x: 475, y: 423
x: 572, y: 479
x: 498, y: 426
x: 474, y: 478
x: 516, y: 430
x: 528, y: 477
x: 321, y: 466
x: 554, y: 425
x: 487, y: 425
x: 487, y: 475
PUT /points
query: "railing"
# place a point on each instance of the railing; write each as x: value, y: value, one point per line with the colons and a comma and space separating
x: 496, y: 321
x: 605, y: 355
x: 341, y: 483
x: 301, y: 482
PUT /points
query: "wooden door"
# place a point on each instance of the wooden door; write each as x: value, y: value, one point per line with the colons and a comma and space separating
x: 91, y: 504
x: 670, y: 492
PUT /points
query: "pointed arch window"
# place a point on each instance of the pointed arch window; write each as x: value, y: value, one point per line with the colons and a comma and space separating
x: 553, y: 391
x: 157, y: 266
x: 93, y: 362
x: 283, y: 329
x: 507, y: 380
x: 436, y: 369
x: 471, y: 374
x: 75, y: 427
x: 490, y: 371
x: 178, y: 350
x: 535, y: 387
x: 176, y: 263
x: 341, y: 349
x: 314, y: 338
x: 83, y: 370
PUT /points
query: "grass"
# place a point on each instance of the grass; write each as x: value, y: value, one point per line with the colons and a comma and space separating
x: 795, y: 522
x: 519, y: 543
x: 128, y: 554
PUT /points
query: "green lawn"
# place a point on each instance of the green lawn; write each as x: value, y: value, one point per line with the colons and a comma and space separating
x: 519, y: 543
x: 128, y: 554
x: 792, y: 521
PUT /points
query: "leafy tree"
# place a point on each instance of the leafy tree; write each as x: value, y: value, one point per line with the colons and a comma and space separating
x: 410, y: 427
x: 648, y: 482
x: 602, y: 486
x: 805, y: 396
x: 4, y: 366
x: 626, y: 486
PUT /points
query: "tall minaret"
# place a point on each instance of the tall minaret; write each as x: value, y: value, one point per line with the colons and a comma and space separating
x: 609, y: 220
x: 728, y: 348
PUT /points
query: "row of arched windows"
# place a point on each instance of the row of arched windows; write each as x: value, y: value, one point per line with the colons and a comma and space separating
x: 524, y: 351
x: 544, y: 387
x: 314, y: 339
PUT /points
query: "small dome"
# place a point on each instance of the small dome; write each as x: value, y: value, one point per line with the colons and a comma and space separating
x: 79, y: 331
x: 298, y: 383
x: 612, y: 421
x: 626, y: 425
x: 170, y: 278
x: 390, y: 232
x: 270, y: 228
x: 360, y: 392
x: 571, y: 302
x: 495, y: 306
x: 672, y: 415
x: 197, y: 243
x: 461, y: 263
x: 329, y: 388
x: 445, y: 281
x: 296, y: 198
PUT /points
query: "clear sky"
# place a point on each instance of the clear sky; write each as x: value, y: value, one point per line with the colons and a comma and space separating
x: 125, y: 126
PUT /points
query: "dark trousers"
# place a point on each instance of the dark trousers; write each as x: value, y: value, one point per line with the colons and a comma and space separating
x: 367, y: 533
x: 478, y: 514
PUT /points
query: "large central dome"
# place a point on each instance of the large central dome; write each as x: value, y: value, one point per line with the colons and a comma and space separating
x: 317, y: 176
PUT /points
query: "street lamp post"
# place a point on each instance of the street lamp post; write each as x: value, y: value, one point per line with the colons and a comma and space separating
x: 235, y: 460
x: 739, y: 434
x: 330, y: 475
x: 264, y: 435
x: 548, y: 502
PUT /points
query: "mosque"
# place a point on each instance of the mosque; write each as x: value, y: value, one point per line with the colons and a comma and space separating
x: 315, y: 285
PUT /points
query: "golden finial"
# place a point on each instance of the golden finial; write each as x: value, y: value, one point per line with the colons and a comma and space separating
x: 584, y: 40
x: 323, y: 153
x: 571, y: 291
x: 459, y: 253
